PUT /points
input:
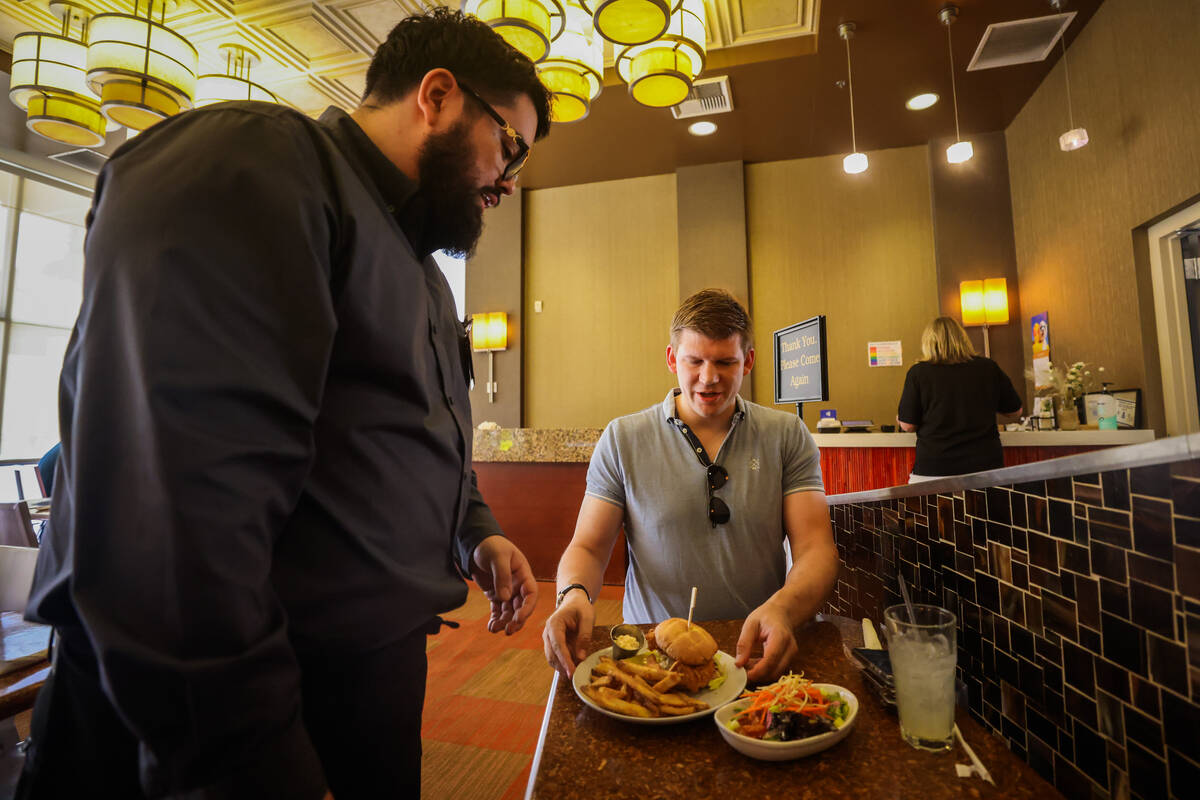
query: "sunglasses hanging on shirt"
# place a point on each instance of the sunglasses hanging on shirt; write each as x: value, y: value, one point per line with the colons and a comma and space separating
x: 715, y: 476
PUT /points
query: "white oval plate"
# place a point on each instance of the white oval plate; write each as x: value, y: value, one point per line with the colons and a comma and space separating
x: 735, y: 682
x: 784, y: 751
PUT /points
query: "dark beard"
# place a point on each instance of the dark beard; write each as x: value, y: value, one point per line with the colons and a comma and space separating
x: 455, y: 218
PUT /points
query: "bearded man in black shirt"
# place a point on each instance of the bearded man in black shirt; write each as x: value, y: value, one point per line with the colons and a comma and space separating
x: 265, y: 495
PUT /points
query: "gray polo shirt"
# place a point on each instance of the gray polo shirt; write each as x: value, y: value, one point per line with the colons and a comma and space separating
x: 644, y: 464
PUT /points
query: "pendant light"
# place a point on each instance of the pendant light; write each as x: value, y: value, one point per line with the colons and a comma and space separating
x: 630, y: 22
x: 1075, y: 138
x: 856, y: 162
x: 528, y: 25
x: 142, y: 70
x: 660, y: 73
x: 48, y: 81
x: 235, y: 84
x: 574, y: 70
x: 960, y: 151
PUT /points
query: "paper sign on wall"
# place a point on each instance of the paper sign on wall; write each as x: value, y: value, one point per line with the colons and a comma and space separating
x: 1039, y: 335
x: 885, y: 354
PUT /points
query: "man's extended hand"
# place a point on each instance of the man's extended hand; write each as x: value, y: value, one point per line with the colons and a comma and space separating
x: 567, y: 632
x: 772, y: 625
x: 505, y: 576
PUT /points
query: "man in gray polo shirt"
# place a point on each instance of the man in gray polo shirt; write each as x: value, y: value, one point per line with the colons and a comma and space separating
x: 708, y: 487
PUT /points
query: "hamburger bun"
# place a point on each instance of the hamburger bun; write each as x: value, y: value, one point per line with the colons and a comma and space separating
x: 692, y: 646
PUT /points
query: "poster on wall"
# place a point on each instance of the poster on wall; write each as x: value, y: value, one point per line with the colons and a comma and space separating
x: 1039, y: 335
x: 885, y: 354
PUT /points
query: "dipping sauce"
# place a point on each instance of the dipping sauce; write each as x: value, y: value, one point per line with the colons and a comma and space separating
x: 626, y: 642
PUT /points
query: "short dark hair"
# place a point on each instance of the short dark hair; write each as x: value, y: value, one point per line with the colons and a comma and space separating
x: 715, y: 314
x: 466, y: 46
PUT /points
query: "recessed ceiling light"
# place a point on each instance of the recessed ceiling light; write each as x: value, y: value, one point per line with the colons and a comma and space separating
x: 702, y: 128
x: 921, y: 101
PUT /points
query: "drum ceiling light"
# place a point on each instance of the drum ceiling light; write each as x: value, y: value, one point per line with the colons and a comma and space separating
x: 48, y: 82
x: 574, y: 70
x: 660, y: 73
x: 142, y: 70
x: 528, y: 25
x: 235, y: 84
x: 630, y: 22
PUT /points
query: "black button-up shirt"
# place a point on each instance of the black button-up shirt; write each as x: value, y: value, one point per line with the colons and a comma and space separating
x: 266, y: 434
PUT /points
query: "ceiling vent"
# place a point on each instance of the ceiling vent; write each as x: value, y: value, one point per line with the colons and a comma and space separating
x: 708, y: 96
x: 1021, y: 41
x: 84, y: 159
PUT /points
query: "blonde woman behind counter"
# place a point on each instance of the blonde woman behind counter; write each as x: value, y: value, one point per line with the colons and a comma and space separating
x: 951, y: 398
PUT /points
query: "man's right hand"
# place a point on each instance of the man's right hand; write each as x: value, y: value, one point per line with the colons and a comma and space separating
x: 567, y: 633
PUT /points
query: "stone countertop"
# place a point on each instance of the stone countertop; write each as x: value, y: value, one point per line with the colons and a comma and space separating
x: 536, y: 445
x: 575, y: 445
x: 1080, y: 438
x: 583, y: 755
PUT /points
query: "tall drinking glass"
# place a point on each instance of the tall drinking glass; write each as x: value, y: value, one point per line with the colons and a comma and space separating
x: 923, y: 654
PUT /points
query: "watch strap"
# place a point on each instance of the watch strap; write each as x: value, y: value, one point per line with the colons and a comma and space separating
x: 563, y: 593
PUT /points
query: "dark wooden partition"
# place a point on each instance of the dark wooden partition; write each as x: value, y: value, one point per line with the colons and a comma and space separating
x: 536, y: 505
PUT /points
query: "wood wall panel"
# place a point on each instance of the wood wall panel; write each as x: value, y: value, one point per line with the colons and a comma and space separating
x: 603, y: 259
x: 536, y: 506
x: 1133, y: 82
x: 857, y: 248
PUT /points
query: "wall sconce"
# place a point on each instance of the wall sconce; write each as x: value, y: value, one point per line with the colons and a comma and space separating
x: 489, y: 333
x: 984, y: 303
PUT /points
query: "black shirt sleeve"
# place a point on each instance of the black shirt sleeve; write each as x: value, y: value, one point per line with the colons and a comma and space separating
x: 196, y: 373
x: 910, y: 399
x: 478, y: 524
x: 1007, y: 399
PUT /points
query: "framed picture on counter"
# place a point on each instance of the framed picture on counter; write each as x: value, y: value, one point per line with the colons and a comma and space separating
x: 1129, y: 407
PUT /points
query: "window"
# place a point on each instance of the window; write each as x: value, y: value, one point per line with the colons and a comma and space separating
x: 455, y: 270
x: 41, y: 272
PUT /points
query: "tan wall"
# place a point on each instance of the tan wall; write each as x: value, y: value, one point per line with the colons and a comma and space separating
x: 494, y: 284
x: 603, y: 259
x: 858, y: 249
x: 1135, y: 86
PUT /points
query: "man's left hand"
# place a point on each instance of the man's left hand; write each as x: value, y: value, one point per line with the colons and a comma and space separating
x: 506, y: 578
x: 771, y: 625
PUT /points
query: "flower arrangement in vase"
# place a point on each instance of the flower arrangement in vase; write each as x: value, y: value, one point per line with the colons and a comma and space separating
x: 1068, y: 388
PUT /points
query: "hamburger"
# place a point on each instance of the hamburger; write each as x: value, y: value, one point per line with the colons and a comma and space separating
x: 690, y: 651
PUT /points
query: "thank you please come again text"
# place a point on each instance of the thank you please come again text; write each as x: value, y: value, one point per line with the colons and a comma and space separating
x: 801, y: 375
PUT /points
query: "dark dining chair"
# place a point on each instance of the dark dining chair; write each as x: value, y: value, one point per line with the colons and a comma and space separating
x: 16, y: 528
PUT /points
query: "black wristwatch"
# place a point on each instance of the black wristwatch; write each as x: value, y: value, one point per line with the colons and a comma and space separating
x: 563, y: 593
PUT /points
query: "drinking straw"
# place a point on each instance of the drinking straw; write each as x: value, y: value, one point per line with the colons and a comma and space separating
x: 912, y: 617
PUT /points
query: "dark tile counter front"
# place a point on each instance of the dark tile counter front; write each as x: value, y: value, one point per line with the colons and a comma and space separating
x: 1079, y: 611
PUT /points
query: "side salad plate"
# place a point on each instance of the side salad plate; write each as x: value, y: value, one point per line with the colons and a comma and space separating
x: 774, y: 730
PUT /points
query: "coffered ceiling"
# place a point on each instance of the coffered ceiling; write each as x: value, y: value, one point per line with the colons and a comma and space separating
x: 783, y: 57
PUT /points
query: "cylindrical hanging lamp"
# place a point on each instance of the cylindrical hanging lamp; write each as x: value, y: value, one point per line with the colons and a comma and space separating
x: 142, y: 70
x: 630, y: 22
x: 660, y: 73
x: 235, y: 84
x: 48, y: 82
x: 528, y: 25
x: 574, y: 70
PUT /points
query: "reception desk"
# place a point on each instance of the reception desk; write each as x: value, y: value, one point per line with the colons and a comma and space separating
x: 534, y: 479
x: 857, y: 462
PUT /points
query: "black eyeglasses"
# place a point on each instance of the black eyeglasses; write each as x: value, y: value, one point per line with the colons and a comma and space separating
x: 718, y: 511
x: 517, y: 161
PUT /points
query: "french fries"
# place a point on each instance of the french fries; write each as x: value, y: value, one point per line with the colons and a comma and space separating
x: 623, y: 687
